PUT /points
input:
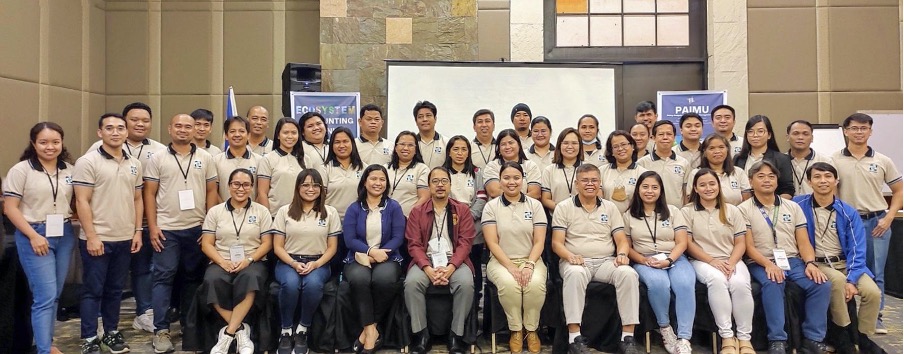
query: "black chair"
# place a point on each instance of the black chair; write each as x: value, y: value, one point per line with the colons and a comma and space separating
x: 439, y: 315
x: 202, y: 322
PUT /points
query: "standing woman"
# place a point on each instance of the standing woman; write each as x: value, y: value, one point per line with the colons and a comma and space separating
x: 717, y: 232
x: 467, y: 187
x: 407, y: 173
x: 38, y: 199
x: 558, y: 178
x: 276, y: 172
x: 236, y: 238
x: 313, y: 127
x: 589, y: 129
x: 514, y: 227
x: 621, y: 174
x: 541, y: 152
x: 658, y: 236
x: 732, y: 179
x: 342, y: 170
x: 373, y: 230
x: 642, y: 137
x: 509, y: 150
x: 305, y: 240
x: 759, y: 145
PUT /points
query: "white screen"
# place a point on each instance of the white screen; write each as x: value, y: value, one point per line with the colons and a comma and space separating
x: 561, y: 93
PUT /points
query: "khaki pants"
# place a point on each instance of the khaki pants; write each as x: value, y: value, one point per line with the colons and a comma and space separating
x: 574, y: 288
x: 870, y: 298
x: 521, y: 304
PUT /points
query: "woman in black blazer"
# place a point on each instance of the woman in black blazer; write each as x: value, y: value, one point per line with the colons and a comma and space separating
x: 759, y: 144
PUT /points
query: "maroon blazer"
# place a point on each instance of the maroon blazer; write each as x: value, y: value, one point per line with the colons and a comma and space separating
x: 420, y: 228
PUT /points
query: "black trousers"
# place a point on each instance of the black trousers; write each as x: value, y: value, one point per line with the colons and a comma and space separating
x: 374, y: 289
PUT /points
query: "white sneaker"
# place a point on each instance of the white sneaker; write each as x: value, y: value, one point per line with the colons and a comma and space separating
x: 683, y: 347
x: 223, y: 343
x: 144, y: 322
x: 669, y: 339
x: 243, y: 344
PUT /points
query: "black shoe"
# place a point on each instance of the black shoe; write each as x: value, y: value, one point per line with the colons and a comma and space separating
x: 808, y: 346
x: 172, y: 315
x: 115, y: 343
x: 285, y: 344
x: 358, y: 346
x: 579, y: 346
x: 456, y: 345
x: 421, y: 342
x: 627, y: 346
x: 867, y: 346
x: 92, y: 347
x: 301, y: 343
x: 777, y: 347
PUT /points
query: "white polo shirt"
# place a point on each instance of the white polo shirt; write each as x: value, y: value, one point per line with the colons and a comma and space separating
x: 374, y: 152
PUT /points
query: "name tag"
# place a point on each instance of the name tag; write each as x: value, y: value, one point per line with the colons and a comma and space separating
x: 186, y: 200
x: 781, y: 259
x: 54, y: 225
x: 236, y: 253
x: 439, y: 259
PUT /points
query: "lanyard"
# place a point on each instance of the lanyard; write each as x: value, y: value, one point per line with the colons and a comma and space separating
x: 441, y: 227
x: 317, y: 150
x: 395, y: 183
x: 54, y: 189
x: 653, y: 229
x: 187, y: 167
x: 570, y: 183
x: 800, y: 181
x: 769, y: 222
x: 238, y: 229
x: 483, y: 156
x: 129, y: 147
x: 825, y: 230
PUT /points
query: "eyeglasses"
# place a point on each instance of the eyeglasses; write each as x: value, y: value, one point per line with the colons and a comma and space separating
x: 622, y: 146
x: 310, y: 186
x: 240, y: 185
x: 440, y: 181
x: 758, y: 132
x: 859, y: 129
x: 590, y: 181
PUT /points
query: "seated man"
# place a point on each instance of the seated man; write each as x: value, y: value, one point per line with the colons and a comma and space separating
x: 836, y: 232
x: 439, y: 234
x: 589, y: 238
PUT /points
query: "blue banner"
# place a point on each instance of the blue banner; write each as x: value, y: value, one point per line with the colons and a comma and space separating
x: 673, y: 104
x: 340, y: 109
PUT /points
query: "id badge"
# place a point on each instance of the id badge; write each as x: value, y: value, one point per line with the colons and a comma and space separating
x: 781, y: 259
x: 186, y: 199
x: 54, y: 225
x: 236, y: 253
x: 439, y: 259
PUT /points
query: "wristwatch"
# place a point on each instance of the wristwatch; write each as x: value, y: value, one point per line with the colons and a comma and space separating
x: 250, y: 260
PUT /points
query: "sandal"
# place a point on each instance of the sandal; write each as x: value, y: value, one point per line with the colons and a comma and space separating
x: 729, y: 346
x: 746, y: 347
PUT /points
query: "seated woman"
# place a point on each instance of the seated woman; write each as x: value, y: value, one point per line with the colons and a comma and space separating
x: 659, y: 237
x: 514, y: 227
x: 305, y: 240
x: 235, y: 237
x: 373, y: 230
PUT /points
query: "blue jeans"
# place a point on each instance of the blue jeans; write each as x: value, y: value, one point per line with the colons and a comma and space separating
x: 661, y: 283
x: 294, y: 287
x: 877, y: 252
x: 103, y: 279
x: 816, y: 303
x: 141, y: 274
x: 46, y: 275
x: 180, y: 248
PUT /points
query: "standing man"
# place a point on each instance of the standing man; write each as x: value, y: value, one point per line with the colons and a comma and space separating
x: 723, y: 124
x: 260, y: 121
x: 672, y: 168
x: 107, y: 186
x: 862, y: 171
x: 645, y: 113
x: 800, y: 136
x: 484, y: 148
x: 588, y: 235
x: 778, y: 250
x: 431, y: 143
x: 439, y: 234
x: 521, y: 117
x: 179, y: 187
x: 371, y: 147
x: 836, y: 232
x: 691, y: 125
x: 203, y: 123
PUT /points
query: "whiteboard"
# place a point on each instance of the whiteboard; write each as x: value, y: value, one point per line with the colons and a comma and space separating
x: 560, y: 92
x: 827, y: 139
x: 888, y: 127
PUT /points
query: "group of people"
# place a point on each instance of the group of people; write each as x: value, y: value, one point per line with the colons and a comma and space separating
x: 397, y: 218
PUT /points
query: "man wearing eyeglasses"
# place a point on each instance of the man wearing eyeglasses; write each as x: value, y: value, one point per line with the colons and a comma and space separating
x: 179, y: 187
x: 439, y: 234
x: 861, y: 173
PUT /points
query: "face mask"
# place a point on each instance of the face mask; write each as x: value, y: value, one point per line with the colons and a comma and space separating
x: 594, y: 141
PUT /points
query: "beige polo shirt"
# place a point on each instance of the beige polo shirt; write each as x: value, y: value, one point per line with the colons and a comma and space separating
x: 404, y: 184
x: 532, y: 174
x: 315, y: 156
x: 262, y: 149
x: 341, y: 186
x: 226, y: 162
x: 673, y: 171
x: 692, y: 156
x: 211, y: 149
x: 708, y: 231
x: 174, y: 173
x: 790, y: 218
x: 374, y: 152
x: 736, y: 143
x: 481, y: 154
x: 860, y: 181
x: 282, y: 170
x: 143, y: 151
x: 826, y: 232
x: 35, y: 189
x: 589, y: 234
x: 799, y: 170
x: 596, y: 158
x: 465, y: 187
x: 559, y: 182
x: 641, y: 231
x: 515, y: 223
x: 540, y: 161
x: 433, y: 152
x: 308, y: 235
x: 243, y: 226
x: 113, y: 200
x: 732, y: 185
x: 613, y: 178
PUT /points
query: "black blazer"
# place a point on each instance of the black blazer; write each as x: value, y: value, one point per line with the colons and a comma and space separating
x: 782, y: 162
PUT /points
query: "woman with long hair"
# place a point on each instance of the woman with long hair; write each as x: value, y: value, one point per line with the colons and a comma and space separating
x: 509, y: 149
x: 277, y: 171
x: 408, y: 173
x: 759, y: 145
x: 557, y: 179
x: 716, y: 156
x: 467, y: 187
x: 621, y: 174
x: 342, y: 170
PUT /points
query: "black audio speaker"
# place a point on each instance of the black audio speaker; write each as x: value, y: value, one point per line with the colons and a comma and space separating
x: 300, y: 77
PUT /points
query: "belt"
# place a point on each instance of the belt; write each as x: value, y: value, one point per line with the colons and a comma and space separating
x: 45, y: 222
x: 830, y: 259
x: 871, y: 214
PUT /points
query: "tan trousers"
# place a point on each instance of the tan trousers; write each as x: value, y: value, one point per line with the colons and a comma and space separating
x: 574, y: 288
x: 870, y: 298
x: 521, y: 304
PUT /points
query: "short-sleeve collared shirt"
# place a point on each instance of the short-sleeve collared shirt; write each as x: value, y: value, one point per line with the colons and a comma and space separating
x: 515, y: 223
x: 559, y: 182
x: 785, y: 215
x: 714, y: 237
x: 175, y: 172
x: 113, y: 200
x: 36, y: 189
x: 262, y: 149
x: 341, y: 185
x: 673, y: 171
x: 532, y: 174
x: 211, y: 149
x: 308, y: 235
x: 142, y: 151
x: 540, y: 161
x: 226, y: 162
x: 281, y: 168
x: 481, y: 154
x: 692, y: 156
x: 589, y: 234
x: 374, y: 152
x: 613, y: 178
x: 733, y: 185
x: 405, y: 183
x: 826, y: 231
x: 861, y: 180
x: 641, y: 231
x: 465, y: 187
x: 315, y: 156
x: 799, y: 170
x: 597, y: 157
x: 433, y: 152
x: 736, y: 143
x: 242, y: 226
